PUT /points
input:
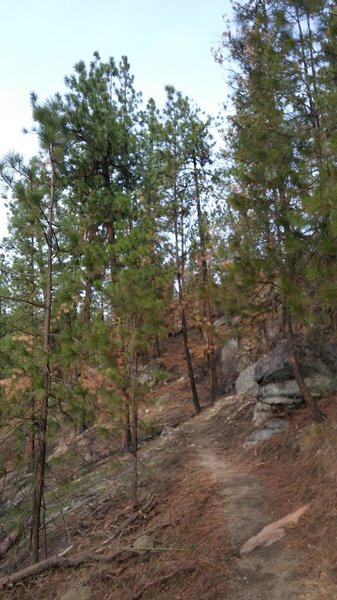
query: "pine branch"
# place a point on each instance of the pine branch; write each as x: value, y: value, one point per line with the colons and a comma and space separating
x: 23, y: 300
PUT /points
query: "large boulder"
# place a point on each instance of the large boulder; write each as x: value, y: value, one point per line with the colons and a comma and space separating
x: 272, y: 381
x: 318, y: 384
x: 275, y: 366
x: 232, y: 360
x: 245, y: 383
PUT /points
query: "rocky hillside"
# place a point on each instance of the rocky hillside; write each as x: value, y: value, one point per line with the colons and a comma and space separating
x: 223, y: 513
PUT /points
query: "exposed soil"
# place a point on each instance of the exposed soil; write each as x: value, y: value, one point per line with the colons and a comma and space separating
x: 202, y: 496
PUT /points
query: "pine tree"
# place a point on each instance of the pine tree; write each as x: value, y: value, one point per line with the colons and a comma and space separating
x: 270, y: 169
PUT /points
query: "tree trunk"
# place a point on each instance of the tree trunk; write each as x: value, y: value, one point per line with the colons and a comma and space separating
x: 211, y: 359
x: 126, y: 426
x: 195, y: 398
x: 134, y: 411
x: 308, y: 398
x: 156, y: 348
x: 180, y: 270
x: 41, y: 419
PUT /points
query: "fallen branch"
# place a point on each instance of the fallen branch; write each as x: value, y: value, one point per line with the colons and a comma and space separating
x: 164, y: 579
x: 64, y: 562
x: 141, y: 512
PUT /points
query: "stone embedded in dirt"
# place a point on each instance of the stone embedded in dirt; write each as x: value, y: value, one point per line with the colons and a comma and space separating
x: 274, y: 532
x: 167, y: 431
x: 271, y: 427
x: 143, y: 543
x: 81, y: 592
x: 262, y: 412
x: 152, y: 374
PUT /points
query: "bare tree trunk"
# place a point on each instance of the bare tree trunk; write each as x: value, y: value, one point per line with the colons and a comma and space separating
x: 308, y: 398
x: 42, y: 413
x: 211, y: 359
x: 126, y: 425
x: 195, y: 398
x: 134, y: 411
x: 156, y: 348
x: 180, y: 270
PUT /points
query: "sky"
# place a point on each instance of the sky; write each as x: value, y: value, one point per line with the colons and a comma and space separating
x: 166, y: 42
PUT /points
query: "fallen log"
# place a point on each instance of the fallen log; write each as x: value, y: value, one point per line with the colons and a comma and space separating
x: 64, y: 562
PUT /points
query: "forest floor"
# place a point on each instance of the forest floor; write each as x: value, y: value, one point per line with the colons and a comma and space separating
x: 202, y: 496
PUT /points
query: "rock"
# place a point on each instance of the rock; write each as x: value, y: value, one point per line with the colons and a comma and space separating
x: 81, y: 592
x: 283, y: 400
x: 143, y: 543
x: 274, y: 366
x: 262, y: 412
x: 163, y: 399
x: 328, y: 352
x: 288, y: 389
x: 313, y: 362
x: 88, y: 457
x: 232, y: 359
x: 167, y: 431
x: 271, y: 427
x: 60, y: 450
x: 245, y: 383
x: 151, y: 375
x: 319, y: 384
x: 220, y: 321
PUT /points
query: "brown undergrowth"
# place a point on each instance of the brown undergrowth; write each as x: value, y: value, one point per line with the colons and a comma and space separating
x: 175, y: 546
x: 300, y: 466
x: 181, y: 552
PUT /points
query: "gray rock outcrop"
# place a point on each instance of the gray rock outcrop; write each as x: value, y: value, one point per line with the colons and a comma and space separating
x: 245, y: 383
x: 271, y: 428
x: 232, y: 360
x: 271, y: 378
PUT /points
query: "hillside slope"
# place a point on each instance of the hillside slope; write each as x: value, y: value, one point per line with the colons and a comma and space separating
x: 203, y: 495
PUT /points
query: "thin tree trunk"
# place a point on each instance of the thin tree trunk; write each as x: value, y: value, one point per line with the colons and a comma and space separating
x: 180, y: 269
x: 41, y: 421
x: 134, y: 411
x: 126, y: 426
x: 156, y: 348
x: 195, y: 398
x: 211, y: 359
x: 308, y: 398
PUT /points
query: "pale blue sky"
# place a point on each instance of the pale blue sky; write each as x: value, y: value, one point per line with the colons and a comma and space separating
x: 167, y: 42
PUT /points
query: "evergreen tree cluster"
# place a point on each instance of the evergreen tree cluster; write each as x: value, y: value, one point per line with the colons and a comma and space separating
x: 127, y: 211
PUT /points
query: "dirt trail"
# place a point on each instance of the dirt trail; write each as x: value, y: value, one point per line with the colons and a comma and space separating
x: 272, y: 573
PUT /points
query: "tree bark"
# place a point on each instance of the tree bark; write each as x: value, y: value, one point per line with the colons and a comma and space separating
x: 211, y: 359
x: 42, y: 413
x: 134, y: 409
x: 308, y: 398
x: 180, y: 270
